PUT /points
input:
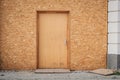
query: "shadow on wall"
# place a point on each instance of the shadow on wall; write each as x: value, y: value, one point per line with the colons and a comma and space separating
x: 0, y: 61
x: 118, y: 58
x: 0, y: 52
x: 0, y: 34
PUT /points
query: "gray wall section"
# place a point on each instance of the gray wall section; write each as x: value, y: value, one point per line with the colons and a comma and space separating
x: 118, y: 61
x: 112, y: 61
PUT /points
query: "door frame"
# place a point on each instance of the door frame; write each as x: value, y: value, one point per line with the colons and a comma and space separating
x: 67, y: 35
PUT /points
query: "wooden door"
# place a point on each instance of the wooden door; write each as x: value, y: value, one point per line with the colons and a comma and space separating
x: 52, y: 40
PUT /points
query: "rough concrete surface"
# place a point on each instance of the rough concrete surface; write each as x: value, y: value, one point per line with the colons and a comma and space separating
x: 74, y: 75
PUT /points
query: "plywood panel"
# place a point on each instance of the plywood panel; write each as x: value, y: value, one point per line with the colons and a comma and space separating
x: 88, y: 32
x: 52, y: 40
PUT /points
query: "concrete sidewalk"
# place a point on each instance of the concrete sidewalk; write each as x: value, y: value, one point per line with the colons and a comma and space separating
x: 74, y: 75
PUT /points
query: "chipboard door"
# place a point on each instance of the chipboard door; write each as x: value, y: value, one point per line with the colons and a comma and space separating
x: 52, y: 40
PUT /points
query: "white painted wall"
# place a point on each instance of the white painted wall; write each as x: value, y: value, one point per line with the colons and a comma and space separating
x: 113, y: 26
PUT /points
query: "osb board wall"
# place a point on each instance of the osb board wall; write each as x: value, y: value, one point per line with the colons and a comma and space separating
x: 88, y: 32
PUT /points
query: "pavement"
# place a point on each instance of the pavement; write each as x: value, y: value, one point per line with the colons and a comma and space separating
x: 73, y: 75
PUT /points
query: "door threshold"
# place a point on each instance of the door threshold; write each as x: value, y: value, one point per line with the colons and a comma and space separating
x: 52, y: 71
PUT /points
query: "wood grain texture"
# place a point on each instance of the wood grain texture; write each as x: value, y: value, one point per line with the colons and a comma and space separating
x: 88, y: 32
